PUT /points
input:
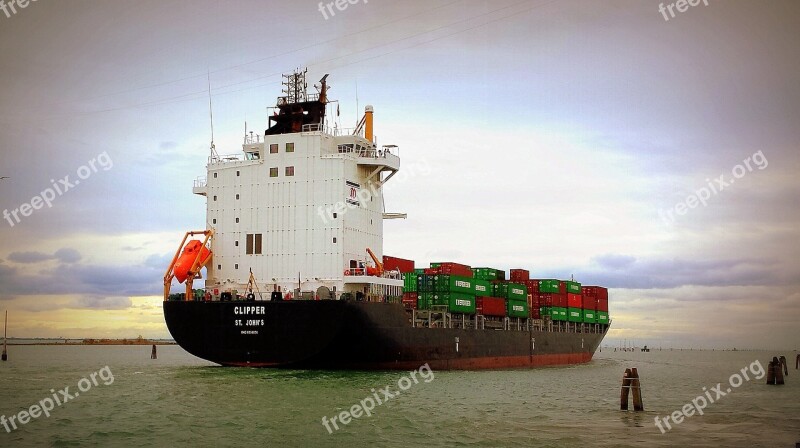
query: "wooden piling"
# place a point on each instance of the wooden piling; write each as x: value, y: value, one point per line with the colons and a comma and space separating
x: 771, y: 373
x: 785, y: 367
x: 631, y: 386
x: 638, y: 405
x: 778, y: 372
x: 153, y: 353
x: 4, y: 357
x: 797, y: 363
x: 623, y: 393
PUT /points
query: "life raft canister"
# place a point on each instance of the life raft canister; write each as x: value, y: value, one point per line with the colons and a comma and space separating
x: 188, y: 256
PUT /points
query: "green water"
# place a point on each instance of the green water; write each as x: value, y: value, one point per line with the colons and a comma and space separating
x: 179, y: 400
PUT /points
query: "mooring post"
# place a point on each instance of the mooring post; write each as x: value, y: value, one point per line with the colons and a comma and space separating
x: 797, y: 363
x: 153, y: 353
x: 778, y: 371
x: 771, y: 373
x: 637, y: 391
x: 785, y: 367
x: 623, y: 393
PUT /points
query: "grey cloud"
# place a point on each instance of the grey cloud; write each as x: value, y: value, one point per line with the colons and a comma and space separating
x: 29, y: 257
x: 67, y: 255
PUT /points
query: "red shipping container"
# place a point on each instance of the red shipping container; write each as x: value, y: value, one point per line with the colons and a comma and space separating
x: 410, y: 300
x: 533, y: 286
x: 589, y: 303
x: 491, y: 306
x: 574, y: 300
x: 535, y: 313
x: 562, y: 287
x: 455, y: 269
x: 398, y: 264
x: 595, y: 291
x: 520, y: 275
x: 552, y: 299
x: 602, y: 305
x: 431, y: 271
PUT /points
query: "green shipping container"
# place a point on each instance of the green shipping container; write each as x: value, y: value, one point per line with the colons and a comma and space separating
x: 517, y: 308
x: 511, y: 291
x: 574, y: 314
x: 602, y: 317
x: 573, y: 287
x: 590, y: 316
x: 424, y: 300
x: 453, y: 283
x: 435, y: 265
x: 410, y: 282
x: 425, y: 283
x: 488, y: 274
x: 559, y: 313
x: 419, y: 271
x: 456, y: 302
x: 548, y: 286
x: 482, y: 288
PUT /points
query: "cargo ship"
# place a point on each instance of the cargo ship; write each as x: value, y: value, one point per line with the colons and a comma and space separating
x: 296, y: 277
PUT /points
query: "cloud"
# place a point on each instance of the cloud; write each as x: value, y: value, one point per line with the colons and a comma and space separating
x: 103, y: 303
x: 29, y: 257
x: 67, y: 255
x: 64, y: 255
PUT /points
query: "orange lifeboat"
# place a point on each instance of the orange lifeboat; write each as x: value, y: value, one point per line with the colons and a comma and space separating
x: 189, y: 254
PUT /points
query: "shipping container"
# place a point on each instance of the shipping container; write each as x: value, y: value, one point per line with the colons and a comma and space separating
x: 545, y: 311
x: 449, y: 268
x: 410, y: 300
x: 398, y: 264
x: 602, y: 305
x: 410, y: 282
x: 559, y: 313
x: 482, y: 288
x: 595, y: 291
x: 491, y: 306
x: 535, y: 314
x: 517, y: 308
x: 570, y: 287
x: 549, y: 286
x: 511, y: 291
x: 574, y: 314
x: 453, y: 283
x: 456, y: 302
x: 489, y: 274
x: 533, y: 286
x: 589, y: 316
x: 574, y: 300
x: 425, y: 300
x: 602, y: 317
x: 589, y: 302
x: 519, y: 275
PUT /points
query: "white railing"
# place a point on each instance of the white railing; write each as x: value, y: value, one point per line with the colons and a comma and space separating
x: 252, y: 139
x: 200, y: 182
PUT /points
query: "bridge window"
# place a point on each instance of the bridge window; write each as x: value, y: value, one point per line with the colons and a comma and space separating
x: 290, y: 147
x: 290, y: 171
x: 273, y: 172
x: 273, y: 148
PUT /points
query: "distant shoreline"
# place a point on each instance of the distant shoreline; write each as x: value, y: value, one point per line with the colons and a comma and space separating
x: 93, y: 342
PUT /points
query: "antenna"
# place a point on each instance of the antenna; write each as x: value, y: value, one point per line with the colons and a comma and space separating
x: 357, y: 109
x: 214, y: 155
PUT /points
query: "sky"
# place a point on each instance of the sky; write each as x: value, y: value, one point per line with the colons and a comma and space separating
x: 652, y: 153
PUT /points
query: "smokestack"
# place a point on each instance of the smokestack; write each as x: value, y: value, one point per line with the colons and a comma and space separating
x: 368, y: 123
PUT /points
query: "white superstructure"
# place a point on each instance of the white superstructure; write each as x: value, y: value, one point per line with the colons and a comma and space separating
x: 300, y: 206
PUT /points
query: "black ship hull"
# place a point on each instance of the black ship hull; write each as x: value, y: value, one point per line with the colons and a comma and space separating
x: 358, y: 335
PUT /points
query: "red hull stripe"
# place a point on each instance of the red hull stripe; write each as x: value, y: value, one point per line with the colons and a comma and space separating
x: 488, y: 363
